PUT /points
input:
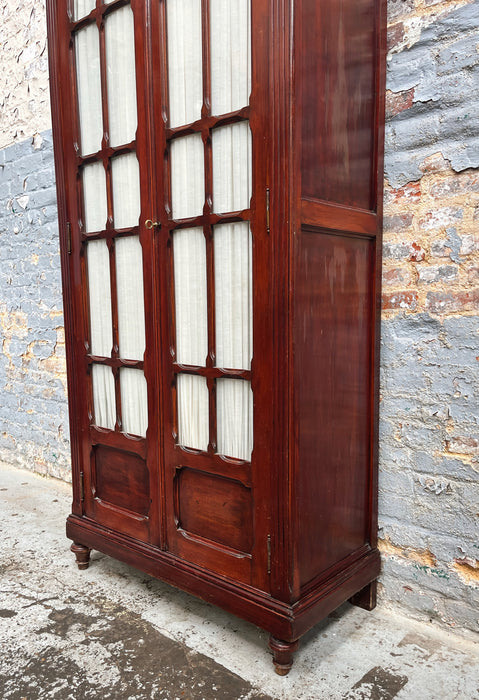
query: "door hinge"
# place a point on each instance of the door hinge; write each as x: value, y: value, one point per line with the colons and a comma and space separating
x: 267, y: 209
x: 69, y: 238
x: 269, y: 553
x: 82, y: 487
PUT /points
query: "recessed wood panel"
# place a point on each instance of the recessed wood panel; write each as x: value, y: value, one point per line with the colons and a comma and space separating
x: 215, y: 508
x: 121, y: 479
x: 337, y: 92
x: 332, y: 331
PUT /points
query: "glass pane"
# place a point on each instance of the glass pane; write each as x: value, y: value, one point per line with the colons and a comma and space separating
x: 121, y: 81
x: 126, y: 190
x: 104, y: 402
x: 185, y: 72
x: 235, y: 418
x: 233, y: 290
x: 187, y: 176
x: 98, y: 261
x: 87, y: 48
x: 189, y: 254
x: 94, y: 197
x: 232, y: 167
x: 230, y: 32
x: 134, y: 402
x: 193, y: 412
x: 82, y: 8
x: 131, y: 310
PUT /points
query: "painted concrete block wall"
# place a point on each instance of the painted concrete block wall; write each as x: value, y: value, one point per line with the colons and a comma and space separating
x: 429, y: 437
x: 33, y: 410
x: 34, y: 431
x: 429, y: 449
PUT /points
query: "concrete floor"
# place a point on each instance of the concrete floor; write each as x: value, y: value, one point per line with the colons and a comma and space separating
x: 112, y: 632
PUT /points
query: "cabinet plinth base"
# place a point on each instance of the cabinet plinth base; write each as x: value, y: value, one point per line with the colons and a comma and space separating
x: 82, y: 555
x: 366, y: 597
x: 283, y: 653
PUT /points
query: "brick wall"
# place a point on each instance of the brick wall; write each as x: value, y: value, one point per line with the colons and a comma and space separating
x: 429, y: 439
x: 429, y: 442
x: 33, y: 410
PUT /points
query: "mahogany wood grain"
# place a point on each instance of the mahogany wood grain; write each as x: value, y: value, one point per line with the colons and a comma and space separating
x: 284, y: 539
x: 121, y: 479
x: 337, y: 217
x: 216, y: 508
x: 338, y: 67
x: 285, y: 621
x: 332, y: 324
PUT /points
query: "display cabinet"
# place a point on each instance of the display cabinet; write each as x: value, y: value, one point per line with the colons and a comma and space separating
x: 219, y: 174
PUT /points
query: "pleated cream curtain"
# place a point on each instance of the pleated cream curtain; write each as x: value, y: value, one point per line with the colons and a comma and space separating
x: 87, y: 53
x: 187, y: 176
x: 185, y: 74
x: 101, y: 328
x: 82, y: 8
x: 232, y: 186
x: 104, y: 396
x: 230, y: 41
x: 121, y: 94
x: 121, y: 80
x: 94, y: 197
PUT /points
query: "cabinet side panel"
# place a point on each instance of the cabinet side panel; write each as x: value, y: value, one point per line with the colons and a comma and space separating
x: 332, y: 356
x: 338, y: 71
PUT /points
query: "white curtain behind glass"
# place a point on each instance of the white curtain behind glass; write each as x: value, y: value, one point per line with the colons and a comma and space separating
x: 104, y: 402
x: 187, y: 176
x: 125, y: 174
x: 94, y: 197
x: 189, y: 254
x: 101, y: 328
x: 230, y: 41
x: 193, y: 422
x: 131, y: 310
x: 87, y: 50
x: 121, y: 81
x: 234, y: 401
x: 233, y: 289
x: 232, y: 167
x: 185, y: 74
x: 134, y: 401
x: 83, y: 7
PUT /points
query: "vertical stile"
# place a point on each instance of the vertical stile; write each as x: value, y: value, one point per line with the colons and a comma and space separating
x: 208, y: 230
x: 166, y: 250
x: 110, y: 214
x: 100, y: 22
x: 118, y: 421
x: 205, y: 31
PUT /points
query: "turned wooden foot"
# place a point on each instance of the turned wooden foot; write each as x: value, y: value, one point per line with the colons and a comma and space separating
x: 82, y: 555
x: 283, y: 653
x: 366, y: 597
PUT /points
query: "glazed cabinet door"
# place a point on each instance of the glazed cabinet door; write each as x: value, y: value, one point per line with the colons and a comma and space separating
x: 101, y: 73
x: 214, y: 260
x: 165, y: 152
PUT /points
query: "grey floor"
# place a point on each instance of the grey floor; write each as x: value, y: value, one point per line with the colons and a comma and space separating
x: 113, y: 632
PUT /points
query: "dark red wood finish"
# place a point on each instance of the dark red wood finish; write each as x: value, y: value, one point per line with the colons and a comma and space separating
x: 286, y: 538
x: 337, y: 119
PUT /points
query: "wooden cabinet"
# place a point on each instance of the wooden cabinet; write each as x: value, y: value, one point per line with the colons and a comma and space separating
x: 219, y: 169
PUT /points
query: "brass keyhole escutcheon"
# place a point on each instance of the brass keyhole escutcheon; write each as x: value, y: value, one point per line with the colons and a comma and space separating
x: 149, y: 224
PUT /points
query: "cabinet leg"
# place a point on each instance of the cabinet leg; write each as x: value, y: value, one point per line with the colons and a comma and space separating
x: 283, y: 653
x: 366, y: 597
x: 82, y: 555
